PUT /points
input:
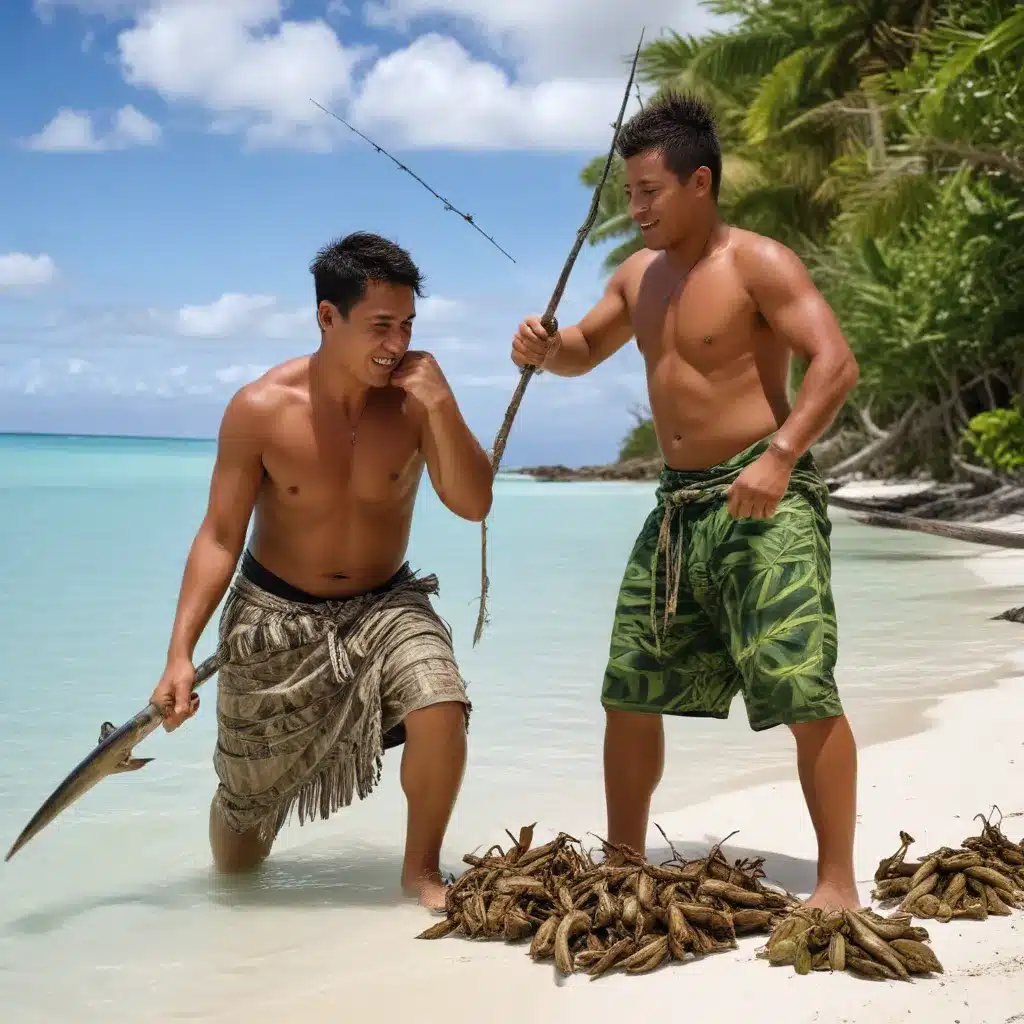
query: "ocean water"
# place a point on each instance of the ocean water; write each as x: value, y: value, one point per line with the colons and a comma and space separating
x: 113, y: 906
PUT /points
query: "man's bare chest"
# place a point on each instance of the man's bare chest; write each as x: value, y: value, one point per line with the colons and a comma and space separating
x: 315, y: 476
x: 709, y: 322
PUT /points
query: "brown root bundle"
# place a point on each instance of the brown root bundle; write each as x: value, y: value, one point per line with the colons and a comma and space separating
x: 622, y: 912
x: 984, y: 876
x: 861, y: 941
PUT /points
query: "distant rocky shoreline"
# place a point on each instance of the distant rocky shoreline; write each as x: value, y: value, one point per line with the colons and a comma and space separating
x: 628, y: 469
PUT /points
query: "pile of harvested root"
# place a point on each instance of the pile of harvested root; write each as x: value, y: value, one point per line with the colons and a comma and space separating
x: 861, y: 942
x: 622, y: 912
x: 984, y: 876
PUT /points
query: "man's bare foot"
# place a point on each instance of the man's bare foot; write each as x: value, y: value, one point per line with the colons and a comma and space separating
x: 429, y: 889
x: 835, y: 897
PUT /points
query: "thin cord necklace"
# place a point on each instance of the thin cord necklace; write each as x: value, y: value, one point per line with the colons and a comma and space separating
x: 315, y: 375
x: 681, y: 283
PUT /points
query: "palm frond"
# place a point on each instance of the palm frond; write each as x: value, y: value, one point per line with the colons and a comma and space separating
x: 968, y: 47
x: 617, y: 256
x: 978, y: 157
x: 620, y: 223
x: 666, y: 58
x: 725, y: 57
x: 849, y: 111
x: 890, y: 201
x: 777, y: 95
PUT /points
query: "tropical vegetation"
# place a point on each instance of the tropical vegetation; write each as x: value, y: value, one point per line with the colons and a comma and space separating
x: 883, y: 140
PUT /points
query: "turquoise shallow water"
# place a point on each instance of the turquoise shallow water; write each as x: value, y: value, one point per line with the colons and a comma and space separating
x: 94, y: 534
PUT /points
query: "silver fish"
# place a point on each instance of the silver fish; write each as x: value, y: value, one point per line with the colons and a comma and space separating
x: 111, y: 756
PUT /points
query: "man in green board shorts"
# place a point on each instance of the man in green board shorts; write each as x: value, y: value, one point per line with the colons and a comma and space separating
x: 727, y: 589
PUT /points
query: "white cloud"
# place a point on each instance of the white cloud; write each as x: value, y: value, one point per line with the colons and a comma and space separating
x: 448, y: 343
x: 240, y: 59
x: 435, y: 309
x: 291, y: 323
x: 69, y: 131
x: 236, y: 313
x: 255, y: 70
x: 485, y: 380
x: 240, y: 373
x: 77, y: 366
x: 559, y: 37
x: 433, y: 93
x: 19, y: 271
x: 132, y: 126
x: 73, y: 131
x: 231, y: 314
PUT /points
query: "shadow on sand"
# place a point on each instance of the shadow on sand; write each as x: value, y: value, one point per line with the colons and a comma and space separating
x: 367, y: 879
x: 331, y: 880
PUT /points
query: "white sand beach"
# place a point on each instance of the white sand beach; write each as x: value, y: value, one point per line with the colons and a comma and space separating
x: 931, y: 784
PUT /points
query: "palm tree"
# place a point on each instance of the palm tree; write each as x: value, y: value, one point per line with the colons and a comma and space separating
x: 884, y: 141
x: 794, y: 118
x: 942, y: 122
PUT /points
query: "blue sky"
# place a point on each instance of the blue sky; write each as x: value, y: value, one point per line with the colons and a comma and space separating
x: 166, y: 182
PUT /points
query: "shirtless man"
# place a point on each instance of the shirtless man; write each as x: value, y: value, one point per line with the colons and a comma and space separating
x: 727, y: 588
x: 332, y: 648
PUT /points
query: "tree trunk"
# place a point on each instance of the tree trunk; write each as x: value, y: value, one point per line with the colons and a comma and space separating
x: 968, y: 532
x: 877, y: 447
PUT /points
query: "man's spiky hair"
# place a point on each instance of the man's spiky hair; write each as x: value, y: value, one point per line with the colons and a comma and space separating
x: 682, y: 128
x: 342, y: 270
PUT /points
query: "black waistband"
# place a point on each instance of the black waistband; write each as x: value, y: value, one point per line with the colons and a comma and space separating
x: 266, y: 580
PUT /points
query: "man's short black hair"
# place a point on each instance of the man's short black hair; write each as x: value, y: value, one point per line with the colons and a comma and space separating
x: 682, y: 128
x: 342, y: 269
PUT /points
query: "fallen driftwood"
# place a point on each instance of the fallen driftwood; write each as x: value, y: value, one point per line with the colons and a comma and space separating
x: 969, y: 532
x: 961, y: 500
x: 954, y: 530
x: 1012, y: 615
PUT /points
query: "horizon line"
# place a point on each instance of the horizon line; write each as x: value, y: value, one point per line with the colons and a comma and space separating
x: 147, y: 437
x: 112, y: 437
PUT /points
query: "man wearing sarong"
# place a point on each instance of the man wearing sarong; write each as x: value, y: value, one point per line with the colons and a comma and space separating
x: 727, y: 589
x: 332, y: 651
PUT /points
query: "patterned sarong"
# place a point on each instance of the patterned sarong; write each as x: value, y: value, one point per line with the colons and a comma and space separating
x: 308, y: 691
x: 710, y: 606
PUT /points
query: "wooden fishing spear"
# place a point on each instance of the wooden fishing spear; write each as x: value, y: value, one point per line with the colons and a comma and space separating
x: 551, y: 326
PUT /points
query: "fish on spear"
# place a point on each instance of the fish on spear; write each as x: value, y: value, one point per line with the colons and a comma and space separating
x: 112, y: 755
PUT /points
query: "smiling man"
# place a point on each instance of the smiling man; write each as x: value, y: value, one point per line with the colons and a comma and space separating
x: 335, y: 652
x: 727, y: 589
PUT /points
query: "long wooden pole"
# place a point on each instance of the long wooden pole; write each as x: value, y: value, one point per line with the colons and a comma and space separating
x: 551, y: 326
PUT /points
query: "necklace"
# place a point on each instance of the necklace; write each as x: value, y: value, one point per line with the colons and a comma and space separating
x: 679, y: 284
x: 686, y: 273
x: 315, y: 380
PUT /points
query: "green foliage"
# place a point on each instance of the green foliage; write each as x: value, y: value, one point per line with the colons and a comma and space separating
x: 640, y: 442
x: 939, y: 304
x: 883, y: 140
x: 997, y: 438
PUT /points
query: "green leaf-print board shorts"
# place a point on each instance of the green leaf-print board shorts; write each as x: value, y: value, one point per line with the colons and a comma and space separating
x: 712, y: 606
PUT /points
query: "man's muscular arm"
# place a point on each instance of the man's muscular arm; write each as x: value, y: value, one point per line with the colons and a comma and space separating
x: 798, y: 313
x: 235, y: 481
x: 576, y: 350
x: 459, y: 468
